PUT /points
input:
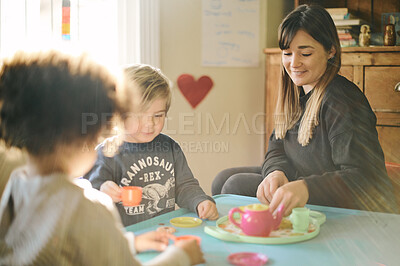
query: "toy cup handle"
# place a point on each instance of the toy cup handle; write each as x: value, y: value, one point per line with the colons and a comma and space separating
x: 231, y: 219
x: 279, y: 216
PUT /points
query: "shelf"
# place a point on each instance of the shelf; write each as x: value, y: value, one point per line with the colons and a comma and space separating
x: 349, y: 49
x: 369, y: 11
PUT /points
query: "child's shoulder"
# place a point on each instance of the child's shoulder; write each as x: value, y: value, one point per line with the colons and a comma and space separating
x: 25, y: 187
x: 163, y: 138
x: 84, y: 204
x: 94, y: 197
x: 88, y: 199
x: 110, y: 146
x: 94, y: 204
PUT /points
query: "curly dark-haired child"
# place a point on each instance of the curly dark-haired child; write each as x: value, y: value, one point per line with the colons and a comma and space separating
x: 45, y: 219
x: 145, y: 157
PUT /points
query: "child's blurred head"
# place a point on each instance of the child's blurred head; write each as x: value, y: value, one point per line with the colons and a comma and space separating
x: 148, y: 98
x: 144, y: 84
x: 50, y: 101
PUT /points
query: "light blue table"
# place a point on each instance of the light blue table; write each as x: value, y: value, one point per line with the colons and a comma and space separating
x: 348, y: 237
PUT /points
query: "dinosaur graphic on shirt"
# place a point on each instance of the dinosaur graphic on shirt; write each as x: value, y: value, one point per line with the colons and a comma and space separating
x: 155, y: 192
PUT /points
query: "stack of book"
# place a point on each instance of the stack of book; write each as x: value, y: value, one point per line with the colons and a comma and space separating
x: 345, y: 37
x: 347, y: 26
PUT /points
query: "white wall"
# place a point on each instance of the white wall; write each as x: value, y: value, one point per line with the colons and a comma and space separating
x: 237, y: 95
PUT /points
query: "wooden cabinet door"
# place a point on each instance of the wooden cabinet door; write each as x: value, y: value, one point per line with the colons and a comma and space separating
x: 380, y: 82
x: 390, y: 142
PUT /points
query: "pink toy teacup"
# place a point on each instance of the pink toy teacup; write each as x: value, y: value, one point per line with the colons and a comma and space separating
x: 257, y: 220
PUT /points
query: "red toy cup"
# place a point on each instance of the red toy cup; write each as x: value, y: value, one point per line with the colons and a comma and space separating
x: 131, y: 196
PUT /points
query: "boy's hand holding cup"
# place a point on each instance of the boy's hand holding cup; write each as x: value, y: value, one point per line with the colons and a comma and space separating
x: 129, y: 195
x: 112, y: 190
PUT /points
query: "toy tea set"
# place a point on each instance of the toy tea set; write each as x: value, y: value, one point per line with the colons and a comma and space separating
x: 254, y: 223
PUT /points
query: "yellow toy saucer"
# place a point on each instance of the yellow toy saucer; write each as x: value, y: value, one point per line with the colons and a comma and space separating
x: 186, y: 221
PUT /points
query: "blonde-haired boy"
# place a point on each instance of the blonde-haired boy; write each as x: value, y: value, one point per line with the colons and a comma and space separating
x: 146, y: 157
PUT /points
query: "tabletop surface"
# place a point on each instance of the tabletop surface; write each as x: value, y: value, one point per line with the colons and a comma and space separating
x: 348, y: 237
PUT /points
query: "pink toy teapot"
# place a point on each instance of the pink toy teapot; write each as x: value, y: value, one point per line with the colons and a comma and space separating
x: 256, y: 219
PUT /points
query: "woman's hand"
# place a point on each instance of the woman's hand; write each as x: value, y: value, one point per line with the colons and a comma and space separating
x: 291, y: 195
x: 192, y: 249
x: 269, y: 185
x: 151, y: 240
x: 207, y: 210
x: 112, y: 190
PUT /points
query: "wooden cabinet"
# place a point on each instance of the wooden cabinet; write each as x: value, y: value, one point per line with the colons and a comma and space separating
x: 375, y: 70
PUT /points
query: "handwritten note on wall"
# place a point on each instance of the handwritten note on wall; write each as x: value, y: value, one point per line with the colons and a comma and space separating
x: 230, y: 33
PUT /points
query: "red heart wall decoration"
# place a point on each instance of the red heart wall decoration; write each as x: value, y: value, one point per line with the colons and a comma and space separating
x: 194, y: 91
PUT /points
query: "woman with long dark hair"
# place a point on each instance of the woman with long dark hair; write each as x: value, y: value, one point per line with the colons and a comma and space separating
x: 324, y: 149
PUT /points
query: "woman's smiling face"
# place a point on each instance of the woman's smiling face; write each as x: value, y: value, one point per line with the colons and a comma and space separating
x: 305, y: 60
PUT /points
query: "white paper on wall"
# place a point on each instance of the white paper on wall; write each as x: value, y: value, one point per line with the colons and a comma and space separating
x: 230, y: 33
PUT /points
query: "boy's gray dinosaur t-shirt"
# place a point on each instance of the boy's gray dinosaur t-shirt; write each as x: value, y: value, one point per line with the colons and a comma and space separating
x: 160, y: 168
